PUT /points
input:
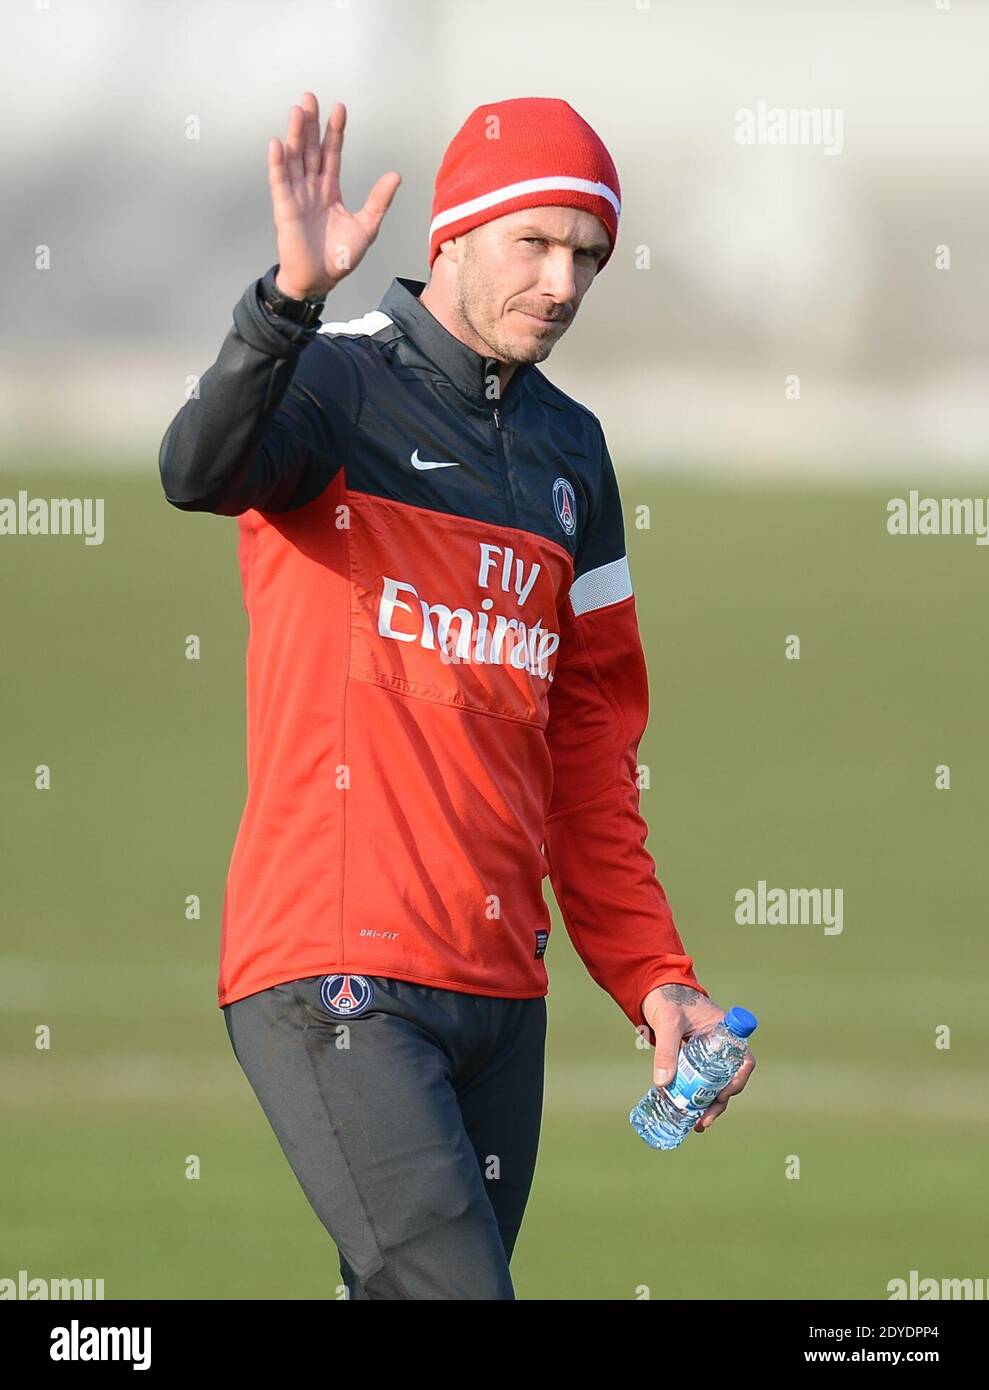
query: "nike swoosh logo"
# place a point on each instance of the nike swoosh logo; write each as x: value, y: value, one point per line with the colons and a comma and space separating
x: 417, y: 462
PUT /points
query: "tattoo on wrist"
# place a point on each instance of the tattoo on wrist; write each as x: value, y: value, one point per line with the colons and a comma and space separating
x: 680, y: 994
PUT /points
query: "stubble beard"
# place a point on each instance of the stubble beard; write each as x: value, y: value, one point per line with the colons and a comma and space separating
x: 472, y: 292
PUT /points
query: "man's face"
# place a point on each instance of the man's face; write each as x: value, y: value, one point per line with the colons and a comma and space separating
x: 520, y: 278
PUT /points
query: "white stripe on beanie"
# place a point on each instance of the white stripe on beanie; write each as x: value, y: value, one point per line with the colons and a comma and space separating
x: 516, y: 190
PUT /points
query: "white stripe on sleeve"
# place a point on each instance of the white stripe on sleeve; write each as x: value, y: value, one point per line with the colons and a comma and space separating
x: 598, y: 587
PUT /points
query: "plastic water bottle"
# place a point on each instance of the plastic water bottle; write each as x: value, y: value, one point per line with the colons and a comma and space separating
x: 707, y: 1062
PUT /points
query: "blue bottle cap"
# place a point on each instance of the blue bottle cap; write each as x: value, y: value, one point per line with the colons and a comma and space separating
x: 740, y: 1022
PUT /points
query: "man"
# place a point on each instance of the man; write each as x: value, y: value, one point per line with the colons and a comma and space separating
x: 446, y: 692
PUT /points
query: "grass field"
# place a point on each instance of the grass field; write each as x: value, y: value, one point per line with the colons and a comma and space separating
x: 814, y: 773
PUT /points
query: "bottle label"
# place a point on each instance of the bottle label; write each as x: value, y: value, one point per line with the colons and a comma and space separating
x: 689, y: 1090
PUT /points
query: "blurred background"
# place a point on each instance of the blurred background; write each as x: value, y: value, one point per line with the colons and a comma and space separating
x: 752, y: 515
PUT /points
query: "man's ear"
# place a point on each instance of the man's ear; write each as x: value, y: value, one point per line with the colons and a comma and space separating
x: 451, y: 248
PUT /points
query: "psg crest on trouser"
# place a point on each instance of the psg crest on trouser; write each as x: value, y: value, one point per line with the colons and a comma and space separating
x: 346, y: 995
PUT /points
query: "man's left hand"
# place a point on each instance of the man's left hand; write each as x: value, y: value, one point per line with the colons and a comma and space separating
x: 673, y: 1012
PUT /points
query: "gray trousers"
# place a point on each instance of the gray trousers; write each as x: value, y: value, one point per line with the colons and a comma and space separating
x: 412, y: 1124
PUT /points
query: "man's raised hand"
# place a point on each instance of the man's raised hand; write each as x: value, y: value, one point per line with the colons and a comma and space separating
x: 319, y: 241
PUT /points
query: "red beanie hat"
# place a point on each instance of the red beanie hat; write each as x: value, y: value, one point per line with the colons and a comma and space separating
x: 524, y: 153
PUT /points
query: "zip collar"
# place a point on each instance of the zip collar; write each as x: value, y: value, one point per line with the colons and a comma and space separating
x: 469, y: 371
